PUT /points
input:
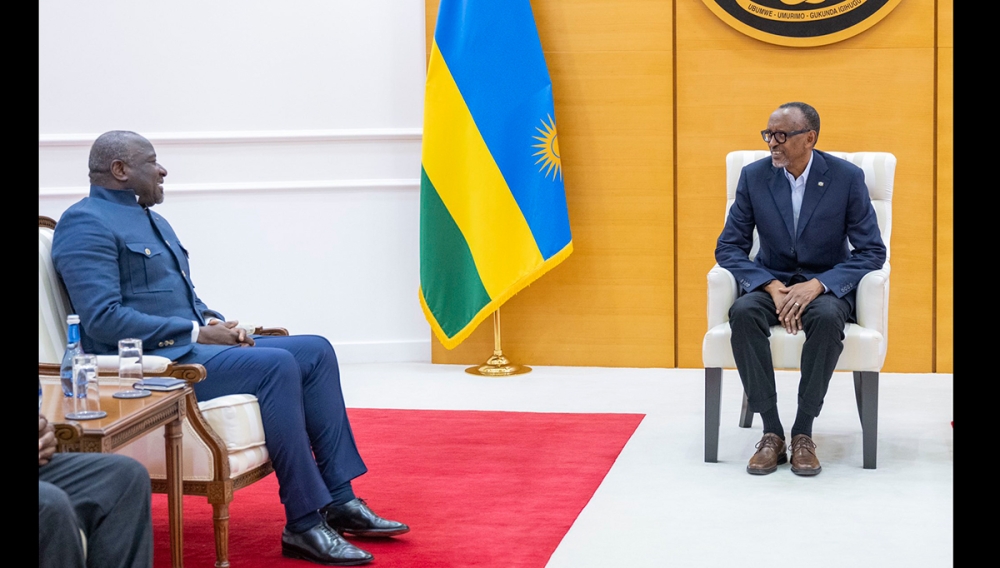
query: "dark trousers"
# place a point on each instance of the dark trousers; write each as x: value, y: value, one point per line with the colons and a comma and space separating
x: 296, y: 380
x: 823, y: 321
x: 108, y: 496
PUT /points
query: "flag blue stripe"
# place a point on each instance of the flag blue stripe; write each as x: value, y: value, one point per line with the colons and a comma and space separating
x: 494, y: 54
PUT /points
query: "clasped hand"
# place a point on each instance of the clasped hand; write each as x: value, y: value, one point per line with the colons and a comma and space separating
x: 224, y: 333
x: 791, y: 301
x: 46, y: 440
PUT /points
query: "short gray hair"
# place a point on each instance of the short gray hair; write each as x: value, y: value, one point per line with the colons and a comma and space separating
x: 810, y: 114
x: 111, y: 146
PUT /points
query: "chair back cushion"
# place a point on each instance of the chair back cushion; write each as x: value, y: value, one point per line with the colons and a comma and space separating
x: 880, y: 172
x: 53, y: 303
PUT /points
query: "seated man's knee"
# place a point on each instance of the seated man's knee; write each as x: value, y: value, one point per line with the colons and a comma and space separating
x: 824, y: 312
x: 53, y: 503
x: 319, y: 344
x: 130, y: 473
x: 747, y: 310
x: 279, y: 363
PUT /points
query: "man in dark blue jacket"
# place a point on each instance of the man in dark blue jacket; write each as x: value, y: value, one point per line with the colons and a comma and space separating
x: 127, y: 275
x: 809, y: 209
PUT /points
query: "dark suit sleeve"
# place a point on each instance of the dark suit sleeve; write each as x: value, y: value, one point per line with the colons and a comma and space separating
x: 863, y: 233
x: 206, y: 312
x: 85, y: 255
x: 732, y: 250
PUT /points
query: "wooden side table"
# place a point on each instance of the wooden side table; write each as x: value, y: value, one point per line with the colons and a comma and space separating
x: 127, y: 420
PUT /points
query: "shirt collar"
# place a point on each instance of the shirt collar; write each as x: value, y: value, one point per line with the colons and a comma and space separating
x: 120, y: 196
x: 805, y: 172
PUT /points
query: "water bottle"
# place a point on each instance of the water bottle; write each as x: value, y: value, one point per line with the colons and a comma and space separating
x: 72, y: 350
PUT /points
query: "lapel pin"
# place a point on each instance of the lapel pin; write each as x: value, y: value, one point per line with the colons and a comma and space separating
x: 821, y: 184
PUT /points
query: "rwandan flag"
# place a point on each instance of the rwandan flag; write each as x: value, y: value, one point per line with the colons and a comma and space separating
x: 492, y: 205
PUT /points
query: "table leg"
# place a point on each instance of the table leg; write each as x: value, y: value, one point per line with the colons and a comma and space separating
x: 175, y: 484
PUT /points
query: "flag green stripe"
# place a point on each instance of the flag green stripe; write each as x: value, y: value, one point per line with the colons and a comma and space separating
x: 452, y: 288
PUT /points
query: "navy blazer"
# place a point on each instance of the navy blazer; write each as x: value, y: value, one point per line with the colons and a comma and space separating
x: 836, y: 210
x: 127, y: 275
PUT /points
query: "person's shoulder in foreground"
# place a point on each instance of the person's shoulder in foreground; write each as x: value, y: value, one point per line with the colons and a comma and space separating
x: 105, y: 497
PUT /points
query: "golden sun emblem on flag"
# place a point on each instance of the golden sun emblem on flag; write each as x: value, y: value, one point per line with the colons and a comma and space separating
x: 548, y: 149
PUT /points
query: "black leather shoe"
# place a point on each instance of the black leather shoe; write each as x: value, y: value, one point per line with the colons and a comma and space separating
x: 354, y: 517
x: 322, y: 545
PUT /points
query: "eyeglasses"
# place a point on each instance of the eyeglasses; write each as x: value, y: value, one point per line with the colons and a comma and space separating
x: 780, y: 136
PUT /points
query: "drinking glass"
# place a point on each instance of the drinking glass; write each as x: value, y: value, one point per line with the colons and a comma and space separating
x: 130, y: 369
x: 86, y: 392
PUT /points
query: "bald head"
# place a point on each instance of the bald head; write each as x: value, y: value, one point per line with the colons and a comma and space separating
x: 121, y: 159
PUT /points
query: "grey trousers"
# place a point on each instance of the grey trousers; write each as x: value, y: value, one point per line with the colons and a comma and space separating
x: 751, y: 318
x: 107, y: 496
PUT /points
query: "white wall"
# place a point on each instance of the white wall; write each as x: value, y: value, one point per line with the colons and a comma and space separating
x: 291, y: 136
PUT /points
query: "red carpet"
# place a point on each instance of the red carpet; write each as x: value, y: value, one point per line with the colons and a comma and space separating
x: 491, y: 489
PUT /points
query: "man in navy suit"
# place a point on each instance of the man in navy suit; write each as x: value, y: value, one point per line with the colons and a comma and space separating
x: 809, y: 209
x: 127, y: 275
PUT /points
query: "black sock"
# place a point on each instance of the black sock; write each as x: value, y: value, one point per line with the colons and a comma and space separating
x: 304, y: 523
x: 772, y: 424
x: 803, y: 424
x: 342, y: 494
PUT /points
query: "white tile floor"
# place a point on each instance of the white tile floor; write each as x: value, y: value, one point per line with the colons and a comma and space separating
x: 662, y: 505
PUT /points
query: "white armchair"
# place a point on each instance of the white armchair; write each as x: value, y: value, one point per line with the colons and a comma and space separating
x: 223, y: 438
x: 864, y: 343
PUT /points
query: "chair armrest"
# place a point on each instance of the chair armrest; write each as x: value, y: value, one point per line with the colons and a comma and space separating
x: 151, y: 364
x: 254, y: 329
x: 873, y: 300
x: 190, y: 372
x: 721, y: 295
x: 67, y: 432
x: 270, y: 331
x: 216, y: 445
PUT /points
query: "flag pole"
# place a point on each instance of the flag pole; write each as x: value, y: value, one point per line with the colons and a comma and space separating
x: 497, y: 365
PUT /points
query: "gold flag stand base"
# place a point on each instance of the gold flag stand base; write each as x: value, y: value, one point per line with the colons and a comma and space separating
x: 497, y: 365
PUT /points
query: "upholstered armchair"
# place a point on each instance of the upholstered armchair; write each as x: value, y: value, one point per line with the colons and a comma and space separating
x: 223, y: 438
x: 865, y: 341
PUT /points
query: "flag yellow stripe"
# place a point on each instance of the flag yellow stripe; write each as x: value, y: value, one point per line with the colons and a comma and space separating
x: 463, y: 171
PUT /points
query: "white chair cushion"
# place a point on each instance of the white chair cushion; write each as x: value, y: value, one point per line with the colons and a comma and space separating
x: 864, y: 349
x: 150, y: 364
x: 234, y: 418
x: 52, y: 302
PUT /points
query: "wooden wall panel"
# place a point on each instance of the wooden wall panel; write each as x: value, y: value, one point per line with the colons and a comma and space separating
x: 944, y: 329
x: 874, y: 92
x: 618, y: 300
x: 611, y: 302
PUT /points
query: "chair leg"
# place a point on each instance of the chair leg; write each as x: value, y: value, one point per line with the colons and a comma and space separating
x: 220, y: 519
x: 713, y: 412
x: 866, y: 393
x: 746, y: 417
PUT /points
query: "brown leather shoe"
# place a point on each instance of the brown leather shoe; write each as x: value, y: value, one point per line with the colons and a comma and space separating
x: 804, y: 460
x: 770, y: 453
